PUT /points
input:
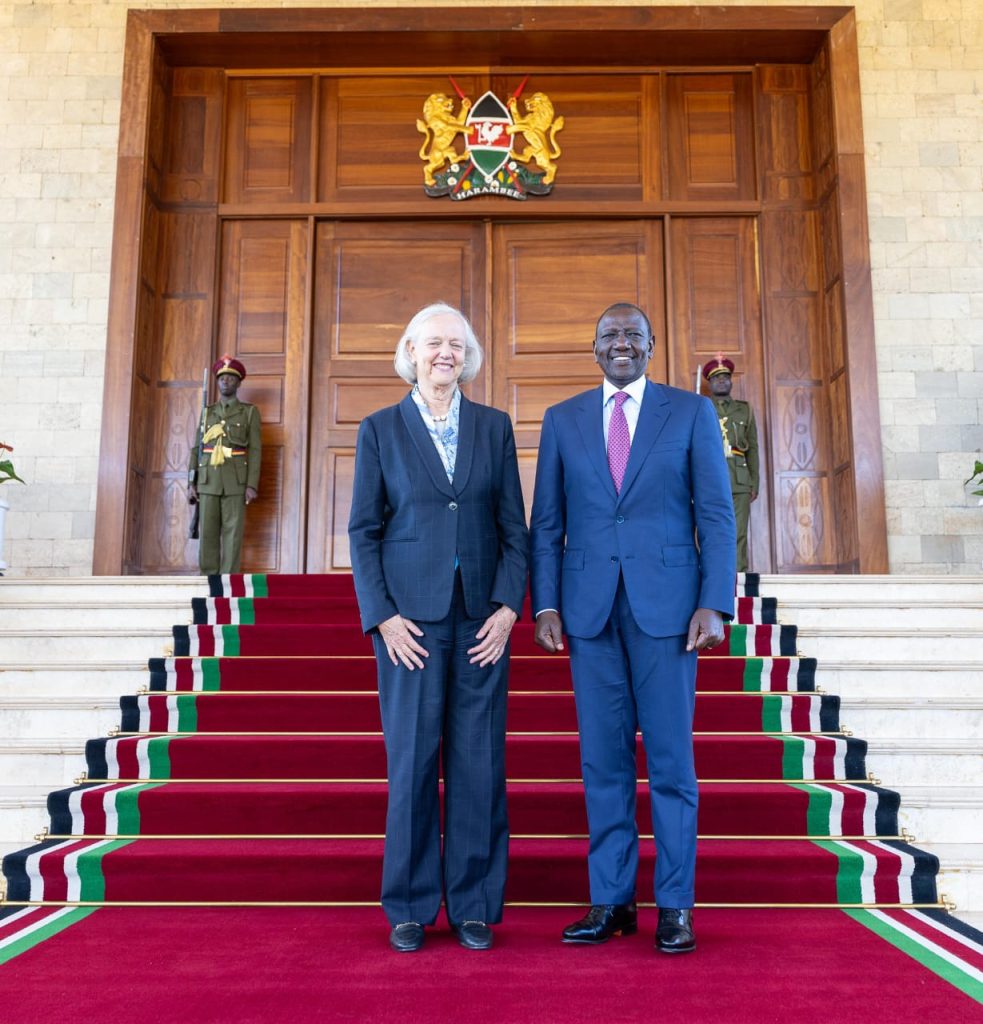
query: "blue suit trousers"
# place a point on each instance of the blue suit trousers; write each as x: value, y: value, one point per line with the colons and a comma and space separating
x: 624, y: 680
x: 450, y: 712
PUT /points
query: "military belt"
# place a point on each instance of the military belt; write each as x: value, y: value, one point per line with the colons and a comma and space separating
x: 209, y: 448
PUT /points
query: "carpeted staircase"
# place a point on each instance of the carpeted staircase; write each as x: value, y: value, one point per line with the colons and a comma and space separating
x: 253, y: 772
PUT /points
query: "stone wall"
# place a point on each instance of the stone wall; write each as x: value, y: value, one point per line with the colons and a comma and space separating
x: 922, y: 83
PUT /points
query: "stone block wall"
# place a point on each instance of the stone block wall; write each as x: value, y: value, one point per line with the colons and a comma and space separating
x: 922, y: 93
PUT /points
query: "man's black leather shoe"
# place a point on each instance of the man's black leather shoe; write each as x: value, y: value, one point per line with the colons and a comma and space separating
x: 474, y: 935
x: 406, y: 937
x: 675, y: 931
x: 601, y: 922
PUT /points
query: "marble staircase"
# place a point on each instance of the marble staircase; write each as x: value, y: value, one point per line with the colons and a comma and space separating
x: 905, y: 655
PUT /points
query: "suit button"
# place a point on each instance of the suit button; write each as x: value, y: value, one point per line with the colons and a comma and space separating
x: 620, y: 519
x: 453, y: 506
x: 614, y: 558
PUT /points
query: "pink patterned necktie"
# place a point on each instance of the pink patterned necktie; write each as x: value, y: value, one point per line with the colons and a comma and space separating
x: 619, y: 440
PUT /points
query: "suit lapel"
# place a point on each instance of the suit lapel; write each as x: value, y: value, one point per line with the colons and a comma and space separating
x: 652, y: 418
x: 590, y: 422
x: 465, y: 445
x: 413, y: 422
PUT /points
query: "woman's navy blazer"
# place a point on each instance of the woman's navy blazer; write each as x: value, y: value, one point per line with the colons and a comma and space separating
x: 410, y: 525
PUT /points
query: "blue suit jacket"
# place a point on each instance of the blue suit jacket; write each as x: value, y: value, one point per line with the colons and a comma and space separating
x: 676, y: 489
x: 408, y: 523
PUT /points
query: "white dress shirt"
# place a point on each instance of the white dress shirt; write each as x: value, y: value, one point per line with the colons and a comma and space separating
x: 636, y: 392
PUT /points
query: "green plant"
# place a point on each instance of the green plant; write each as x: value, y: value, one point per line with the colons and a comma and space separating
x: 977, y: 479
x: 6, y: 466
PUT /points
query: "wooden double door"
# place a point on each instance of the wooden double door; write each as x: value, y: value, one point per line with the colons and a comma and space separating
x: 315, y: 309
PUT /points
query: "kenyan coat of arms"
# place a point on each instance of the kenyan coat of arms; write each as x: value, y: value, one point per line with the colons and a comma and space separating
x: 500, y: 145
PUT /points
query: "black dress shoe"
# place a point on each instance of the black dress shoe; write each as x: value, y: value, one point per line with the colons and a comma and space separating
x: 474, y: 935
x: 675, y: 931
x: 601, y: 922
x: 406, y: 937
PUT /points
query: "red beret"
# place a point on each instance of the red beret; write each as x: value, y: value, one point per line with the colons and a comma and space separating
x: 229, y: 365
x: 719, y: 364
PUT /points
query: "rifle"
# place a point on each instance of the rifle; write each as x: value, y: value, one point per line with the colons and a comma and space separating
x: 193, y: 472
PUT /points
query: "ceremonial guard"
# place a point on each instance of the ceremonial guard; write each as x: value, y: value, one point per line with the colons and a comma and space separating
x: 223, y: 473
x: 740, y: 439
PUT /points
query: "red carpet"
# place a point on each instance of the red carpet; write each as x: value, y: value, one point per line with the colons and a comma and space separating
x: 284, y: 808
x: 265, y: 966
x: 723, y: 674
x: 285, y: 718
x: 254, y: 772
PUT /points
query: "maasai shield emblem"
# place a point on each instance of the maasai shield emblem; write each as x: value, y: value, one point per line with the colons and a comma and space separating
x: 489, y: 141
x: 508, y: 152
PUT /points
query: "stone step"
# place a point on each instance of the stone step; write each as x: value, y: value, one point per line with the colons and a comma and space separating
x: 97, y: 615
x: 58, y: 715
x: 902, y: 591
x: 942, y: 814
x: 23, y: 813
x: 82, y: 646
x: 958, y: 680
x: 43, y: 761
x: 864, y: 646
x: 961, y: 875
x: 876, y: 615
x: 909, y: 761
x: 127, y: 590
x: 923, y: 717
x: 74, y: 714
x: 94, y: 679
x: 857, y: 646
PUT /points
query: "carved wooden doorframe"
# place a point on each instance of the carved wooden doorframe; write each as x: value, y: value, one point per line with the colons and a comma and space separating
x: 584, y: 36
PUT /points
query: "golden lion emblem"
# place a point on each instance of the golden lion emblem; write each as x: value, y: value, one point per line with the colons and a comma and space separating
x: 535, y: 126
x: 440, y: 127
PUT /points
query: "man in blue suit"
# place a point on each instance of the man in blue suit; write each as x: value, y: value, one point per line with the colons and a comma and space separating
x: 633, y: 543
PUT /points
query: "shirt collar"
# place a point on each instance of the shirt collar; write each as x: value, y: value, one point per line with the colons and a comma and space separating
x: 421, y: 403
x: 636, y: 389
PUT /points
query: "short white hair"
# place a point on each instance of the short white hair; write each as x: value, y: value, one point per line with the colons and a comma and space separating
x: 473, y: 355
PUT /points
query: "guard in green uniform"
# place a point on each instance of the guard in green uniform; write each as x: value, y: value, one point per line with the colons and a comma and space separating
x: 224, y: 471
x: 740, y: 440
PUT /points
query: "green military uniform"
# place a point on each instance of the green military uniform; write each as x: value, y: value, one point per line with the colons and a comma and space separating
x: 235, y: 427
x: 740, y: 440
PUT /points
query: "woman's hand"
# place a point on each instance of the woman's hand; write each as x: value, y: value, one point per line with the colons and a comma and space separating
x: 493, y: 637
x: 398, y: 635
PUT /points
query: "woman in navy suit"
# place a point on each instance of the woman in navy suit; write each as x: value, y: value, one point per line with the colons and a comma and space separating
x: 439, y: 551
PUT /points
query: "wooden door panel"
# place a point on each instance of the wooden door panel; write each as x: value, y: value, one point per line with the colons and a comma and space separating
x: 550, y: 284
x: 710, y: 136
x: 369, y: 142
x: 370, y: 279
x: 261, y: 321
x: 715, y: 308
x: 268, y: 140
x: 609, y: 140
x: 173, y: 345
x: 189, y: 171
